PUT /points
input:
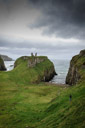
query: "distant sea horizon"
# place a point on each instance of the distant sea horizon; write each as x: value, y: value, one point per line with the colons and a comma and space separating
x: 61, y: 68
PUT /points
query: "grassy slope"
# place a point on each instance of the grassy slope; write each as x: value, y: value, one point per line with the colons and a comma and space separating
x: 40, y: 106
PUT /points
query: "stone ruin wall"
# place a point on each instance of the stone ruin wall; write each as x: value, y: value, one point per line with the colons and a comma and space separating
x: 34, y: 61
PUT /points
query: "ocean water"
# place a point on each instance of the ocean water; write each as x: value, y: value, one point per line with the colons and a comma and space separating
x: 61, y: 68
x: 9, y: 65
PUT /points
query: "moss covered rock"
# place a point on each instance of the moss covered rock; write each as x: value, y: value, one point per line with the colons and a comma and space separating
x: 2, y: 65
x: 34, y: 69
x: 77, y: 69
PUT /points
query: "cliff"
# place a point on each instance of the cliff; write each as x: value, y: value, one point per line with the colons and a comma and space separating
x: 2, y: 66
x: 34, y: 69
x: 6, y: 58
x: 77, y: 69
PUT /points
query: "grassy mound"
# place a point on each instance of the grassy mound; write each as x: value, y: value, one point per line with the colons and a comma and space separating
x: 41, y: 71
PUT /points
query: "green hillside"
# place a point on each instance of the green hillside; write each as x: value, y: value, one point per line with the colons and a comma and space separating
x: 27, y: 105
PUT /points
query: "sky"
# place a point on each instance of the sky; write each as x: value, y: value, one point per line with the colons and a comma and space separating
x: 54, y: 28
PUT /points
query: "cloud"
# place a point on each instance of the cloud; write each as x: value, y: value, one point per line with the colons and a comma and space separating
x: 44, y: 47
x: 40, y: 43
x: 49, y: 27
x: 64, y: 18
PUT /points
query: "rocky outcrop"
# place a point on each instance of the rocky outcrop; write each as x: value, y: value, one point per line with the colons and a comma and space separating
x: 2, y: 66
x: 37, y: 68
x: 73, y: 75
x: 77, y: 66
x: 6, y: 58
x: 82, y: 53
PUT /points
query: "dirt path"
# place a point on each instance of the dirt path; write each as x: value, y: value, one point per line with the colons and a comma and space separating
x: 55, y: 84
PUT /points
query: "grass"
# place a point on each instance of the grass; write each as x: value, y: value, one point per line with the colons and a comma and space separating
x: 25, y: 105
x: 41, y: 106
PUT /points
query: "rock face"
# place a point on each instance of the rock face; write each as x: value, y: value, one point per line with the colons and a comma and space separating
x: 6, y: 58
x: 2, y: 66
x: 49, y: 74
x: 77, y: 66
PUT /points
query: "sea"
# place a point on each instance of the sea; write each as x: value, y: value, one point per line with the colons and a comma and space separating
x: 9, y: 65
x: 61, y: 68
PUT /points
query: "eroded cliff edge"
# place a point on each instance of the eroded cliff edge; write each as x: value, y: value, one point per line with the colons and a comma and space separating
x: 77, y: 69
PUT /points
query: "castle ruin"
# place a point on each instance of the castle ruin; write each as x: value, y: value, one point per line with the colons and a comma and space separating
x: 33, y: 60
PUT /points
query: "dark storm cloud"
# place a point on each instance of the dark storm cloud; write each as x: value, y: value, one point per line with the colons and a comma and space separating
x: 65, y: 18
